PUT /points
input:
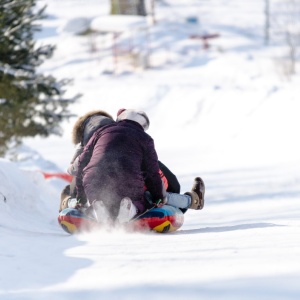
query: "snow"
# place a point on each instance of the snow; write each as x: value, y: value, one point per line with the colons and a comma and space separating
x: 119, y: 23
x: 228, y: 114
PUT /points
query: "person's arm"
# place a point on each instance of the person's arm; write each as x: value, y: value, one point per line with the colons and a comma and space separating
x: 72, y: 169
x: 152, y: 177
x: 173, y: 183
x: 82, y: 162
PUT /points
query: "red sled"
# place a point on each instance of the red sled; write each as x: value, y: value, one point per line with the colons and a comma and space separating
x: 163, y: 219
x: 63, y: 176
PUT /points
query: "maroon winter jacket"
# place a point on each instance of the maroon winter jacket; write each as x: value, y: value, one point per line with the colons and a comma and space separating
x: 117, y: 162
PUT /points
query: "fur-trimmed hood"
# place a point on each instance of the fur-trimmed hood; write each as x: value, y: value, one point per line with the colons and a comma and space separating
x: 87, y: 124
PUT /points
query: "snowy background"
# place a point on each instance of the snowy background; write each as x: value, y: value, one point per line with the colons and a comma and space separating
x: 229, y: 114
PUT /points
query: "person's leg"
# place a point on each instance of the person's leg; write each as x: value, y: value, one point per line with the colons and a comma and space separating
x: 190, y: 200
x: 179, y: 200
x: 197, y: 194
x: 127, y: 210
x: 173, y: 183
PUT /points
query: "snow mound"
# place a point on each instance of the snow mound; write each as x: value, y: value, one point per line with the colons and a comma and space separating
x: 76, y: 26
x: 29, y: 159
x: 27, y: 201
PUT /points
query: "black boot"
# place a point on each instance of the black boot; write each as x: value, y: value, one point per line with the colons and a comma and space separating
x: 197, y: 194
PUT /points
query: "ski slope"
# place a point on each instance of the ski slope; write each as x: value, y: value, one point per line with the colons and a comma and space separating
x: 225, y: 114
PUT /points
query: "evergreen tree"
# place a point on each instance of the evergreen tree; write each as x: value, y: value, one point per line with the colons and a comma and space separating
x: 30, y: 103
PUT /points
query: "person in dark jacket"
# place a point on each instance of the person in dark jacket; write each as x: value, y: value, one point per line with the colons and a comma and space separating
x: 85, y: 127
x: 83, y: 130
x: 116, y: 164
x: 189, y: 200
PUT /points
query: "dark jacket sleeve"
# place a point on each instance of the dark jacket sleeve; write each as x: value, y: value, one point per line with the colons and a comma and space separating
x: 72, y: 169
x: 173, y: 183
x: 152, y: 177
x: 83, y: 161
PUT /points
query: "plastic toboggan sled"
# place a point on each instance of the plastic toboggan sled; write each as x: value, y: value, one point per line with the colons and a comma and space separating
x: 164, y: 219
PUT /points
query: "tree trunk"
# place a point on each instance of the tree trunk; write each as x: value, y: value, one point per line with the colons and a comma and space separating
x: 267, y: 21
x: 128, y: 7
x: 141, y: 10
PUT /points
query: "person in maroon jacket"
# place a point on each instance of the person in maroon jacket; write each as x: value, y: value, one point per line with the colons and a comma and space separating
x: 116, y: 164
x: 84, y: 129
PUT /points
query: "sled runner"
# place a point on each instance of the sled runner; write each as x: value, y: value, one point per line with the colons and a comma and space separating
x: 163, y: 219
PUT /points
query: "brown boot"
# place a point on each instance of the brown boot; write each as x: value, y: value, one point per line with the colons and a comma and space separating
x: 197, y: 194
x: 64, y: 197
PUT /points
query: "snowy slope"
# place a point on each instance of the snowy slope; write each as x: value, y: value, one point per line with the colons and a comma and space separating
x: 224, y: 114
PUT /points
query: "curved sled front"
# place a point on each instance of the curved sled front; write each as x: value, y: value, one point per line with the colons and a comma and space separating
x: 73, y: 221
x: 161, y: 219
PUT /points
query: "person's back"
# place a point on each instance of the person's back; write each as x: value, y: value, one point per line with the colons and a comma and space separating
x: 117, y: 162
x: 83, y: 129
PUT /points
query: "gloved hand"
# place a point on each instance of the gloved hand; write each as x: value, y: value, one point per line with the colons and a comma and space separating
x: 150, y: 202
x: 148, y: 199
x: 160, y: 202
x: 81, y: 199
x: 73, y: 203
x: 76, y: 203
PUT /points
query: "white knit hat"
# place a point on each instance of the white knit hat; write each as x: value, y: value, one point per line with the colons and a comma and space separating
x: 134, y: 115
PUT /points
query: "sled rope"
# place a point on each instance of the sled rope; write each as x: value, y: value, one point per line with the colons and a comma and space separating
x: 147, y: 210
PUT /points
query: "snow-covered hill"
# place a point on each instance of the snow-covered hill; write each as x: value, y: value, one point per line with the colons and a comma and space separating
x: 224, y: 114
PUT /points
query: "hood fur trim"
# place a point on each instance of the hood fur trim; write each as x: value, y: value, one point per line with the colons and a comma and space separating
x: 78, y: 126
